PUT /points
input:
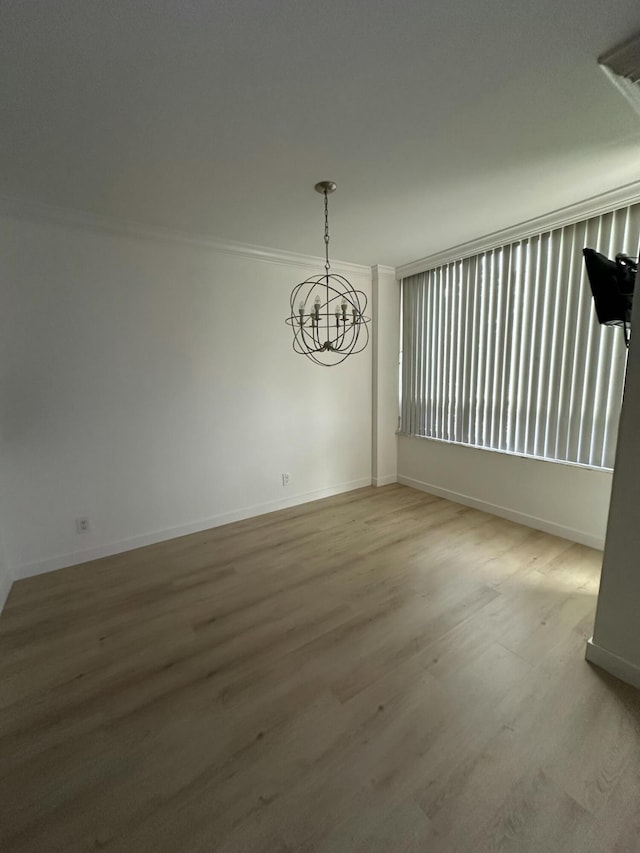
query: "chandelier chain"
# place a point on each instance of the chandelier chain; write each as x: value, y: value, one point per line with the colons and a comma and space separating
x: 327, y: 265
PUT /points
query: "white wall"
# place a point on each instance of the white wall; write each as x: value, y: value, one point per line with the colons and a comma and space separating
x: 616, y: 636
x: 567, y: 500
x: 385, y: 351
x: 152, y: 387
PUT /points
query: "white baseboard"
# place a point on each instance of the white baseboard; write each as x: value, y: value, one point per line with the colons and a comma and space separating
x: 620, y: 667
x: 110, y: 548
x: 384, y: 481
x: 544, y: 524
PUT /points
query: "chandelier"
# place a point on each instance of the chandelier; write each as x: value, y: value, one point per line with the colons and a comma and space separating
x: 327, y: 312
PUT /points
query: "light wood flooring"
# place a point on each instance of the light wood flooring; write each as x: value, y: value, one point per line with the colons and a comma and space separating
x: 383, y: 671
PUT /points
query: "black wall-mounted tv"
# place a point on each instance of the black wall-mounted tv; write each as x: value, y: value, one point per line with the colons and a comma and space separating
x: 612, y: 285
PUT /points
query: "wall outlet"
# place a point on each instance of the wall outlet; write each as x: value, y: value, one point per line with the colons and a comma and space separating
x: 82, y: 525
x: 286, y: 479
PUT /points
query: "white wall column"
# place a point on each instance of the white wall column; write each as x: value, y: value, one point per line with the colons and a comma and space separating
x: 385, y: 345
x: 6, y: 576
x: 615, y: 645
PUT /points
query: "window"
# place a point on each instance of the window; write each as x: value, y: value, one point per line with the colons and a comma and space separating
x: 503, y: 350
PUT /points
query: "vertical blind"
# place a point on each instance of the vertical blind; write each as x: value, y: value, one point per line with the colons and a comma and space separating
x: 503, y: 350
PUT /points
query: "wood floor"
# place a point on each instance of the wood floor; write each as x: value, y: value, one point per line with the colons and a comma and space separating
x: 382, y: 671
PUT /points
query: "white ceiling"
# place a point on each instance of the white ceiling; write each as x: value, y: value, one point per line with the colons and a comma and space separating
x: 440, y: 121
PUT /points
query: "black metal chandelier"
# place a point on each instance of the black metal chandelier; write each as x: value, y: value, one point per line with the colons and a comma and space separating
x: 327, y: 312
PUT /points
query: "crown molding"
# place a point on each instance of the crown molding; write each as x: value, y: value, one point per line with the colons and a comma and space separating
x: 594, y: 206
x: 50, y: 214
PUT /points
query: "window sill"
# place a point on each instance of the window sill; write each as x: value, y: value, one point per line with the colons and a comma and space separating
x: 505, y: 452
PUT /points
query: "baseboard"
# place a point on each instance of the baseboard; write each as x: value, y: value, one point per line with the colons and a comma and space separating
x: 620, y: 667
x: 109, y: 549
x: 384, y: 481
x: 544, y: 524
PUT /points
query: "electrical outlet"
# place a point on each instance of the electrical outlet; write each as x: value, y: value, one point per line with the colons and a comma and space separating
x: 286, y: 479
x: 82, y: 525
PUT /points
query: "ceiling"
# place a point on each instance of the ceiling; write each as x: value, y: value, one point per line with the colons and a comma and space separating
x: 439, y: 121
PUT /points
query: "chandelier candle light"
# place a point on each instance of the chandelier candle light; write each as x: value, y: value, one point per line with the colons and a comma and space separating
x: 327, y: 312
